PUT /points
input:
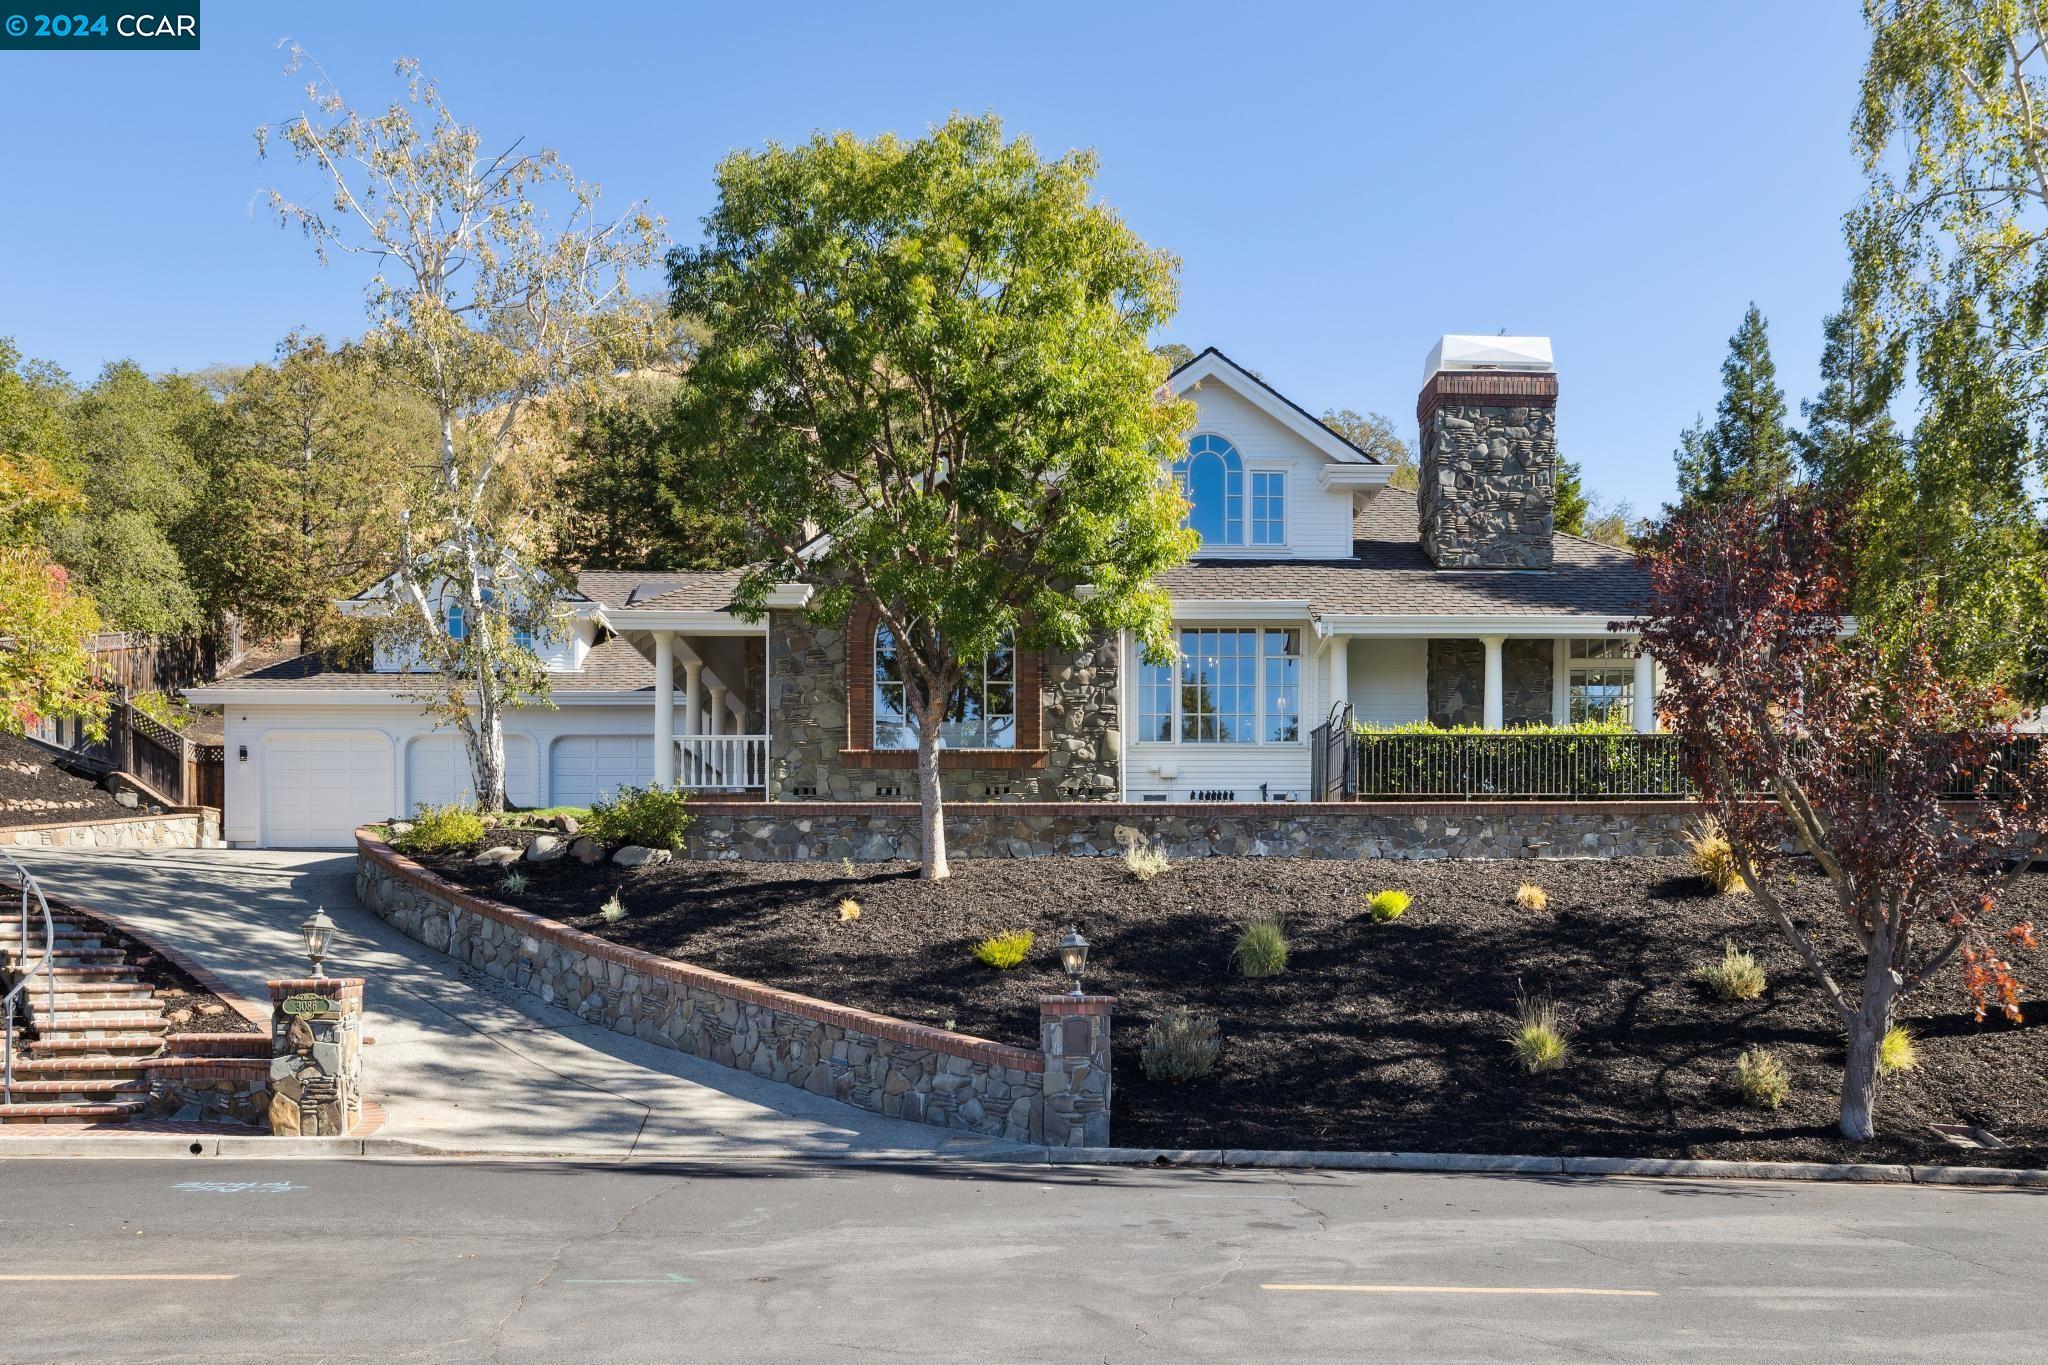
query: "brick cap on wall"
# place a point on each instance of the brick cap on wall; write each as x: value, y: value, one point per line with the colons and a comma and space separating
x: 1076, y: 1004
x: 796, y: 810
x: 347, y: 987
x: 938, y: 1040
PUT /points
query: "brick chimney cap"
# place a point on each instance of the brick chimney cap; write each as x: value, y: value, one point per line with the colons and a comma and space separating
x: 1525, y: 355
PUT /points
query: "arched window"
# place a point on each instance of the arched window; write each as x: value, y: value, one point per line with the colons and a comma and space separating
x: 1212, y: 477
x: 982, y: 713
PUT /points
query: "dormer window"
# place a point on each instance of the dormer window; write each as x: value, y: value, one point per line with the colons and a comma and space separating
x: 1212, y: 479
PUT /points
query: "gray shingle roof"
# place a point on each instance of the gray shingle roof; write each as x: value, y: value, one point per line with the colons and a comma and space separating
x: 613, y: 666
x: 1388, y: 574
x: 628, y: 590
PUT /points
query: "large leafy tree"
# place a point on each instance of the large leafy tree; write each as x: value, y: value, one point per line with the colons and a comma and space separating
x: 1803, y: 736
x: 501, y: 297
x: 1747, y: 451
x: 47, y: 624
x: 1950, y: 255
x: 1376, y: 435
x: 928, y: 391
x: 306, y: 473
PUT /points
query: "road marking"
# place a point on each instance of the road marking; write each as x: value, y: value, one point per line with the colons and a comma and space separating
x: 665, y: 1279
x: 237, y: 1186
x: 44, y: 1279
x: 1454, y: 1289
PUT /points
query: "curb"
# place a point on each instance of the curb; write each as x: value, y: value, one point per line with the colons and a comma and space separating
x: 156, y: 1146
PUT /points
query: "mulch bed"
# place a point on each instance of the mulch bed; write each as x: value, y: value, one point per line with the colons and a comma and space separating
x: 35, y: 791
x: 1377, y: 1037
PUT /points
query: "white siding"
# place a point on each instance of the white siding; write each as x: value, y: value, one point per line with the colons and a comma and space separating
x: 1318, y: 520
x: 1390, y: 681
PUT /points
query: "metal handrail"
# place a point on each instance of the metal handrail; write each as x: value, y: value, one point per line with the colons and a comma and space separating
x: 47, y: 967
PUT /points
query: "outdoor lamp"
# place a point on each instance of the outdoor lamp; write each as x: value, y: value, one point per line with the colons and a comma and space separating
x: 1073, y: 958
x: 318, y: 930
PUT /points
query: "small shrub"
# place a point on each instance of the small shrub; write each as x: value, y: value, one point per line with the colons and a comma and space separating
x: 1004, y: 951
x: 613, y: 910
x: 1713, y: 858
x: 849, y: 910
x: 1144, y: 861
x: 1762, y: 1078
x: 442, y: 829
x: 1538, y: 1035
x: 1735, y: 977
x: 1897, y: 1051
x: 652, y: 817
x: 1261, y: 948
x: 1180, y: 1046
x: 846, y: 867
x: 1532, y: 897
x: 512, y: 883
x: 1387, y: 906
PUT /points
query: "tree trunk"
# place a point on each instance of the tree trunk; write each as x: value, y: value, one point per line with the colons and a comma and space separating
x: 1866, y: 1035
x: 486, y: 739
x: 932, y: 823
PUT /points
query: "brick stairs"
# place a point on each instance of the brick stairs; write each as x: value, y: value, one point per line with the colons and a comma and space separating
x: 85, y: 1061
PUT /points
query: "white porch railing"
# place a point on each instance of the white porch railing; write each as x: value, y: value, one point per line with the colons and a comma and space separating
x: 721, y: 762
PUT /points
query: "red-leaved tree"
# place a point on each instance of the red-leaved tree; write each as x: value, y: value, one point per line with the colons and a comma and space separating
x: 1806, y: 739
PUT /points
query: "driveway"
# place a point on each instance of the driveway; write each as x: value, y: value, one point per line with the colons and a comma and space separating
x: 459, y: 1059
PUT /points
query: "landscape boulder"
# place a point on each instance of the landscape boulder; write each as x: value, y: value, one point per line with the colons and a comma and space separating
x: 586, y: 850
x: 568, y: 824
x: 399, y: 827
x: 127, y: 798
x: 496, y: 857
x: 633, y: 855
x: 545, y: 849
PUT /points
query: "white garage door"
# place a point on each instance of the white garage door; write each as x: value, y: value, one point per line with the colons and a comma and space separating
x: 318, y: 787
x: 588, y: 768
x: 437, y: 771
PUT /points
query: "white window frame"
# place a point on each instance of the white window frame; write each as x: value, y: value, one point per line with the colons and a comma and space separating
x: 1252, y: 520
x: 1144, y: 680
x: 902, y: 690
x: 1618, y: 655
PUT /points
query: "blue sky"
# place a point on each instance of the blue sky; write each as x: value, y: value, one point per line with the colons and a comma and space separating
x: 1343, y: 184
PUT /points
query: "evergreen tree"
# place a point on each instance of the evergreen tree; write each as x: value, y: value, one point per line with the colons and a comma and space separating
x: 1748, y: 449
x: 1572, y: 502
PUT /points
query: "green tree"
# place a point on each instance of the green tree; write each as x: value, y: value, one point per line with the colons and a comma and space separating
x: 1376, y: 435
x: 306, y: 472
x: 505, y: 322
x: 1174, y: 354
x: 934, y: 353
x: 1748, y: 449
x: 1572, y: 505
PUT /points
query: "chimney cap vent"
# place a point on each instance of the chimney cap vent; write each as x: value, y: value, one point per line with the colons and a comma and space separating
x: 1526, y: 355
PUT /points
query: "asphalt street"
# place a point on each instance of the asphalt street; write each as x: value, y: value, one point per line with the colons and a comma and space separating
x: 305, y: 1261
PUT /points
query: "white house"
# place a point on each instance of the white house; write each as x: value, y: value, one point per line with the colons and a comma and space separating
x: 1317, y: 586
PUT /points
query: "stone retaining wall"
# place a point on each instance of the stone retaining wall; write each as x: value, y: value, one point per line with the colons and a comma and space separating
x: 196, y: 828
x: 877, y: 831
x: 885, y: 1065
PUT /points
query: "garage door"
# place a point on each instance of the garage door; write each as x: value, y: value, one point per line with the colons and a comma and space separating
x: 437, y: 771
x: 587, y: 768
x: 318, y: 787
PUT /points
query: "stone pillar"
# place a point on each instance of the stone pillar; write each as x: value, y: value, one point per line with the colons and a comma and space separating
x: 1645, y: 693
x: 316, y: 1056
x: 1073, y: 1033
x: 664, y: 709
x: 1491, y: 705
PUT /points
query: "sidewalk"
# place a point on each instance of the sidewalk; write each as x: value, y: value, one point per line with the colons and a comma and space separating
x: 460, y: 1060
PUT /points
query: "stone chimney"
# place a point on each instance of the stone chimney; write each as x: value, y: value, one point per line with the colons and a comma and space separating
x: 1488, y: 461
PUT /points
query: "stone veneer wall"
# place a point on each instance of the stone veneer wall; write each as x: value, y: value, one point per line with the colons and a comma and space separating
x: 198, y: 828
x: 1487, y: 469
x: 1457, y: 682
x: 809, y: 742
x: 876, y: 831
x: 886, y: 1065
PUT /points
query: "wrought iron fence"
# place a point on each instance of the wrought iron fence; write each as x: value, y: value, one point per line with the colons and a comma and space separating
x: 1506, y: 765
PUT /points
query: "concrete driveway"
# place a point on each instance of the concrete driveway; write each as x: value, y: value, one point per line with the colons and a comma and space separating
x: 459, y: 1059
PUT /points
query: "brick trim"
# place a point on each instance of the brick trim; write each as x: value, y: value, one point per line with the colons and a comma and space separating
x: 1070, y: 1004
x: 859, y: 751
x: 1486, y: 388
x: 1143, y: 809
x: 737, y: 988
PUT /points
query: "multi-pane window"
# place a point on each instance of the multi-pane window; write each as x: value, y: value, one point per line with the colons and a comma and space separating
x: 1212, y: 477
x: 1229, y: 685
x: 1269, y: 508
x: 981, y: 713
x: 1602, y: 681
x: 458, y: 623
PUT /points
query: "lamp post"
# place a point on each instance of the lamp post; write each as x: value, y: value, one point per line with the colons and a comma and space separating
x: 318, y: 930
x: 1074, y: 959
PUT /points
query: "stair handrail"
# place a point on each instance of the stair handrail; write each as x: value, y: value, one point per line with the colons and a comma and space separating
x: 47, y: 967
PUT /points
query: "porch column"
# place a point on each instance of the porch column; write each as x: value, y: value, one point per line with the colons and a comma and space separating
x: 1646, y: 692
x: 1491, y: 708
x: 1340, y: 672
x: 693, y: 696
x: 714, y: 717
x: 664, y: 709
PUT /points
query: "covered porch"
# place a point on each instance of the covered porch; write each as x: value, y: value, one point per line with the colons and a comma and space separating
x: 710, y: 730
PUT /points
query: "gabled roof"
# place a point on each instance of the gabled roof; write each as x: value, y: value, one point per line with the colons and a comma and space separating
x: 1213, y: 364
x: 614, y: 666
x: 705, y: 590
